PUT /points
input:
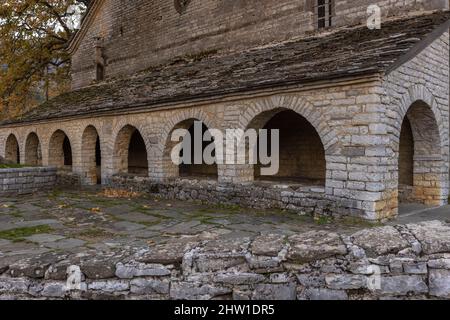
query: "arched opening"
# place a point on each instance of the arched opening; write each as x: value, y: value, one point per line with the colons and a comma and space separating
x: 60, y: 151
x: 33, y: 152
x: 12, y: 151
x: 130, y: 152
x: 421, y: 168
x: 91, y: 156
x: 191, y: 166
x: 301, y: 152
x: 406, y: 162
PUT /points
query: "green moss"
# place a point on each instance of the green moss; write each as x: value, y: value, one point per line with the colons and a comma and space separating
x: 54, y: 194
x: 12, y: 166
x: 16, y: 213
x: 94, y: 233
x: 106, y: 202
x: 148, y: 223
x: 321, y: 220
x: 20, y: 233
x: 359, y: 222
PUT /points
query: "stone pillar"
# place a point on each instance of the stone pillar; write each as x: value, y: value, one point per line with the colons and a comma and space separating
x: 77, y: 164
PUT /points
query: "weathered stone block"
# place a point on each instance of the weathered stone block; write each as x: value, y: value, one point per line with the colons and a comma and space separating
x: 196, y: 291
x: 239, y: 278
x: 268, y: 245
x: 315, y: 245
x: 14, y: 285
x: 109, y: 285
x: 402, y: 285
x: 346, y: 282
x: 149, y: 286
x: 380, y: 241
x: 131, y: 270
x: 439, y: 282
x: 275, y: 292
x: 434, y: 236
x: 325, y: 294
x: 54, y: 290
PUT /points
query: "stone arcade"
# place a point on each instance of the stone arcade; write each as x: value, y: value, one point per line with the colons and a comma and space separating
x: 363, y: 114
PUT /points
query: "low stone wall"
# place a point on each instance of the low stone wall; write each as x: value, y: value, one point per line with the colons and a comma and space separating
x: 299, y: 198
x: 401, y: 262
x: 16, y: 181
x: 67, y: 179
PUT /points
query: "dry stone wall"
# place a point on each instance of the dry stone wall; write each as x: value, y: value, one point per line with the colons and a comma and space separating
x: 17, y: 181
x: 262, y: 195
x: 390, y: 262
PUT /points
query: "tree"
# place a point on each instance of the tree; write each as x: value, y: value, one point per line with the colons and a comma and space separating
x: 34, y: 64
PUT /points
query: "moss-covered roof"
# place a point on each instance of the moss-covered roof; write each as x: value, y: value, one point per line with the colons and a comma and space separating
x: 335, y: 54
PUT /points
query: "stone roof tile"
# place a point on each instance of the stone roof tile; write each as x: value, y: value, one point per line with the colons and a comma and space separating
x: 341, y: 53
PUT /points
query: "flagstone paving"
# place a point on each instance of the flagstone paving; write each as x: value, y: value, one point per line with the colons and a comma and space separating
x: 75, y: 221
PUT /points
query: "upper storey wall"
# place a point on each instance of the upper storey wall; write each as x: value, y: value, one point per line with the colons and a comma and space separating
x: 355, y: 11
x: 141, y: 33
x: 136, y: 34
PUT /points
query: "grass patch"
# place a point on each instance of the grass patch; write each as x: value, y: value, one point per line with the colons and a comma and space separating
x: 142, y: 208
x: 94, y: 233
x: 20, y: 233
x: 12, y: 166
x: 322, y: 220
x: 221, y: 209
x: 106, y: 202
x: 147, y: 223
x: 359, y: 222
x: 16, y: 213
x: 55, y: 194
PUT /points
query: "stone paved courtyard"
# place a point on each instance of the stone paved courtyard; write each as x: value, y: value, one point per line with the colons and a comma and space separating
x: 73, y: 221
x: 76, y: 221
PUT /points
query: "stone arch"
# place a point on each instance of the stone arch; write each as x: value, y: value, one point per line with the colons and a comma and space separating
x: 301, y: 106
x: 91, y: 155
x: 198, y: 170
x: 178, y: 118
x: 301, y: 152
x: 60, y: 150
x: 130, y: 152
x: 33, y: 150
x: 181, y: 120
x: 302, y: 159
x: 419, y: 93
x: 420, y: 116
x: 12, y: 150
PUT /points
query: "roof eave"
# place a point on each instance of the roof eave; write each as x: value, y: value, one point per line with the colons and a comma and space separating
x: 419, y: 47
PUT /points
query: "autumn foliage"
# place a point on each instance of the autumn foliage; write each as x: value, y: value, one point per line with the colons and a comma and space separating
x: 34, y: 65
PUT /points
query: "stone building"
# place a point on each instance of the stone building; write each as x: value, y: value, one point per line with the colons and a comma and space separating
x: 363, y: 113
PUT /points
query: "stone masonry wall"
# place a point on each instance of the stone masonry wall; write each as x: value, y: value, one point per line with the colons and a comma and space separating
x: 261, y: 195
x: 138, y: 34
x: 401, y: 262
x: 17, y: 181
x: 424, y: 79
